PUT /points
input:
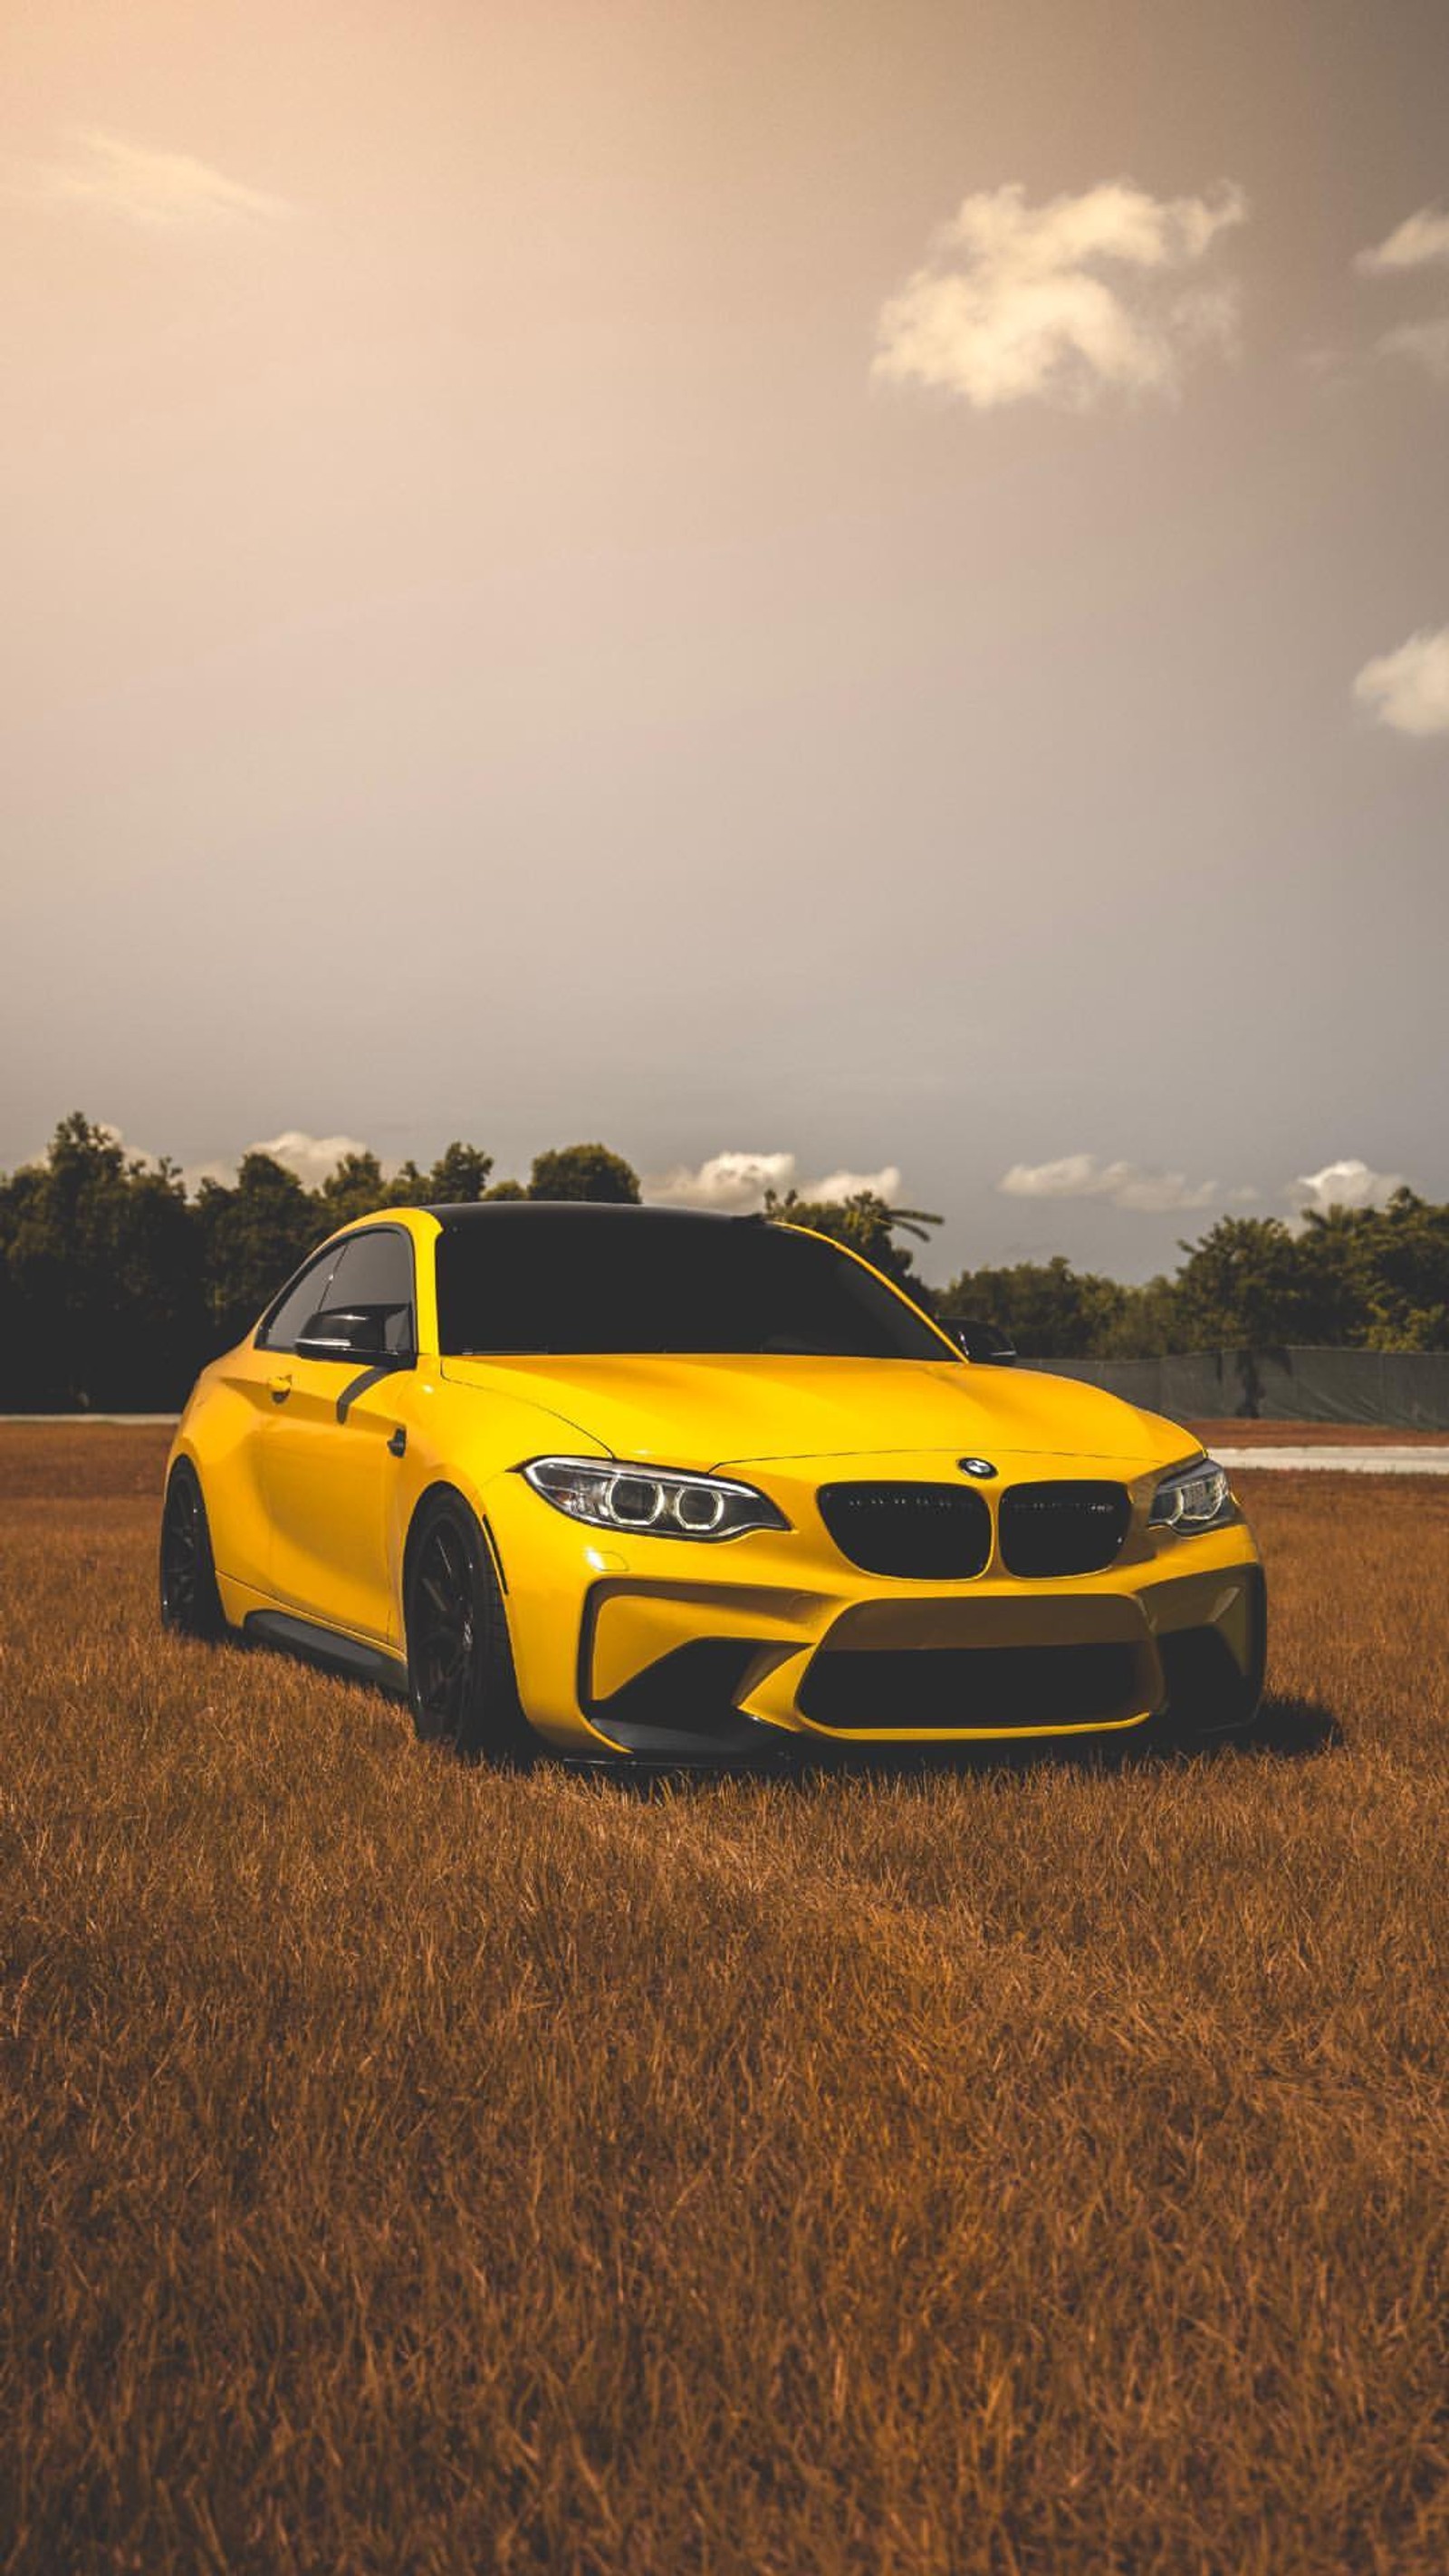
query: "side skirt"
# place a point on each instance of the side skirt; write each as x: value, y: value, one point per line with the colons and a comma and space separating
x: 315, y: 1644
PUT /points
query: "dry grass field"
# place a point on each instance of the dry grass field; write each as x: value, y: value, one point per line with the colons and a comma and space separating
x: 1030, y: 2170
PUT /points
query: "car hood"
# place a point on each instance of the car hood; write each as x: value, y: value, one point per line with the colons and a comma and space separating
x: 715, y: 1412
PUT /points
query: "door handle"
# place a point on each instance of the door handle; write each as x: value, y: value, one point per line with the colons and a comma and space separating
x: 399, y: 1441
x: 279, y: 1388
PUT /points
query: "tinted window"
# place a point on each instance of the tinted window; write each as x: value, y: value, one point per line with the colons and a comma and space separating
x: 596, y: 1279
x: 281, y: 1328
x: 375, y: 1276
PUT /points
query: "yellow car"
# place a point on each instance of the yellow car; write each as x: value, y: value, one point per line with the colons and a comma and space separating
x: 649, y: 1486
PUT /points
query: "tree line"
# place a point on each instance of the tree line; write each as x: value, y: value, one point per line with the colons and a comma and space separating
x: 117, y: 1284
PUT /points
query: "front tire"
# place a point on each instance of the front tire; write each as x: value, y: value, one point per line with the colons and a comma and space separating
x: 190, y: 1597
x: 460, y: 1663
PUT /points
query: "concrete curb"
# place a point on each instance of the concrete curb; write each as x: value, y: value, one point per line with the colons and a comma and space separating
x: 125, y: 1421
x: 1371, y: 1461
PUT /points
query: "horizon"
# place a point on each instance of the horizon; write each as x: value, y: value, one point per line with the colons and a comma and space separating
x: 313, y: 1162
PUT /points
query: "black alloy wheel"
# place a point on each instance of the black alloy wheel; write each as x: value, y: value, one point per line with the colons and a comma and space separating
x: 460, y: 1664
x: 190, y: 1599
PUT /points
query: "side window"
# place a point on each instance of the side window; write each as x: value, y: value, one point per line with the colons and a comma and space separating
x: 281, y: 1327
x: 375, y: 1276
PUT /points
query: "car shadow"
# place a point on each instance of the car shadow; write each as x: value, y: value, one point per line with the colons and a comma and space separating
x: 1291, y: 1728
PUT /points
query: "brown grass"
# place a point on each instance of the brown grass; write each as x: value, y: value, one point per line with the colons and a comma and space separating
x: 410, y: 2169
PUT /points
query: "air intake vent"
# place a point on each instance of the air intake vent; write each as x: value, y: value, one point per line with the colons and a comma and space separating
x: 1004, y: 1687
x: 927, y: 1532
x: 1071, y: 1527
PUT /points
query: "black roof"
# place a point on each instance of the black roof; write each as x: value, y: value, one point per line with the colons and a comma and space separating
x: 511, y: 1211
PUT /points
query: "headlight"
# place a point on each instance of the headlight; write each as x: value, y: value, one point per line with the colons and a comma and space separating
x: 652, y: 1502
x: 1196, y: 1498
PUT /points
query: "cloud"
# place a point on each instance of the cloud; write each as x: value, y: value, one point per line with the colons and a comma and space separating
x: 1425, y: 344
x: 1420, y: 241
x: 1349, y: 1184
x: 161, y: 190
x: 192, y: 1174
x: 1123, y: 1185
x: 1013, y: 303
x: 1408, y: 690
x: 884, y: 1184
x: 737, y: 1182
x: 310, y: 1157
x: 1127, y: 1185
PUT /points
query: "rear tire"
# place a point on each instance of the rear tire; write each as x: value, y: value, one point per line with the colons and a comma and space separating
x: 190, y: 1597
x: 461, y: 1681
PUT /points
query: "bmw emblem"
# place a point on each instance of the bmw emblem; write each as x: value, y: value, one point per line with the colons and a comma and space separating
x: 976, y: 1466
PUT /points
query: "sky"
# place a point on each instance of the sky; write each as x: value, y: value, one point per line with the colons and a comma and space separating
x: 818, y: 589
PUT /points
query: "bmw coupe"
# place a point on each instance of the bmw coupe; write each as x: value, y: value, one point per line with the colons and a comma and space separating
x: 649, y: 1486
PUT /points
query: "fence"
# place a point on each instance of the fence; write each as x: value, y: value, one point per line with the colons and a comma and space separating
x: 1409, y: 1389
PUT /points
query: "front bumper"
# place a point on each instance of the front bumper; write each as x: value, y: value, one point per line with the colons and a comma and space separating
x: 773, y: 1642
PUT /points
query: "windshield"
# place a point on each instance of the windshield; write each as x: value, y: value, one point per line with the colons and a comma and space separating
x: 598, y: 1281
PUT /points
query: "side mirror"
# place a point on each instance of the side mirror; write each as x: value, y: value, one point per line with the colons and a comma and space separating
x: 351, y: 1333
x: 986, y: 1344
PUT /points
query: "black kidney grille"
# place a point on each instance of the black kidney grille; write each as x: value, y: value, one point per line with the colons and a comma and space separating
x: 1074, y: 1526
x: 924, y: 1531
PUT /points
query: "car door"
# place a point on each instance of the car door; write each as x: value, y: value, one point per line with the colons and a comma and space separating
x: 331, y: 1450
x: 255, y: 1377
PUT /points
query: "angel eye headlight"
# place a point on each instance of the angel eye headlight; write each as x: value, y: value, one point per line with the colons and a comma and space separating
x: 1195, y: 1498
x: 657, y: 1502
